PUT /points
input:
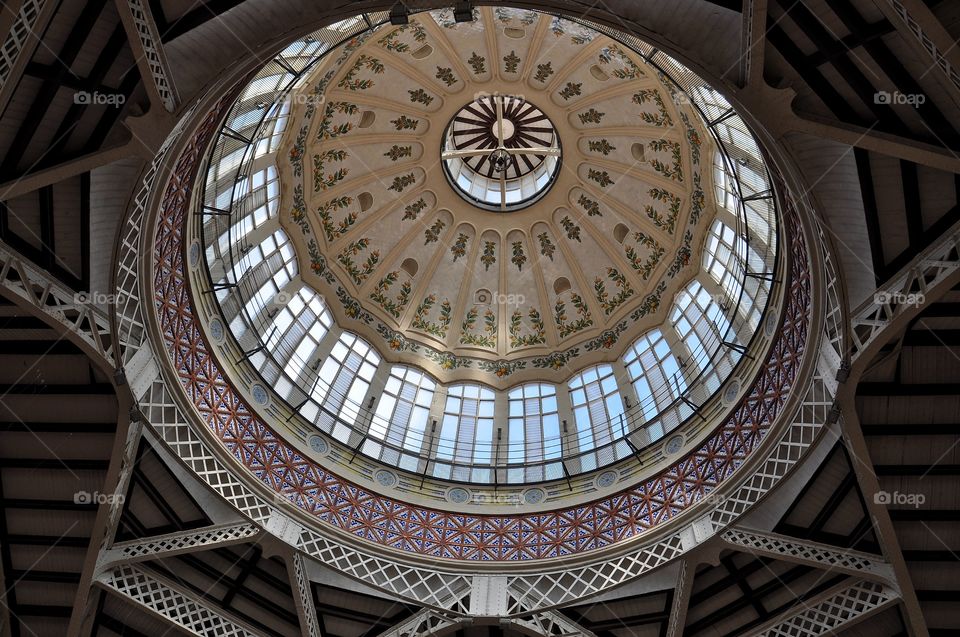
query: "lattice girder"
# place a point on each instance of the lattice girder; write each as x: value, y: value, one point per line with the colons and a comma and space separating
x: 924, y: 41
x: 171, y: 602
x: 28, y: 284
x: 906, y: 292
x: 306, y: 610
x: 170, y: 544
x: 825, y: 614
x: 22, y: 29
x: 151, y: 53
x: 814, y: 554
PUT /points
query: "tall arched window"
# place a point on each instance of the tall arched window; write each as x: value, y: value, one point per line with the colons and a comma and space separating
x: 597, y: 406
x: 274, y: 125
x: 721, y: 258
x: 534, y: 424
x: 345, y: 377
x: 725, y: 258
x: 403, y: 409
x: 703, y: 327
x: 257, y: 279
x: 264, y: 271
x: 656, y: 377
x: 466, y: 434
x: 259, y: 201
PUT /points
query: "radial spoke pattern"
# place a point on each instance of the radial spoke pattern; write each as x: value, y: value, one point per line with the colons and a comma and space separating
x: 496, y: 152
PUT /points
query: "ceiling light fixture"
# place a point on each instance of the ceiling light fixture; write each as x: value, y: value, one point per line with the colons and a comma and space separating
x: 399, y: 14
x: 463, y: 12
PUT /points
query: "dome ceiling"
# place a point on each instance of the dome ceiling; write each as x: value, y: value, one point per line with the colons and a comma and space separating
x: 542, y: 263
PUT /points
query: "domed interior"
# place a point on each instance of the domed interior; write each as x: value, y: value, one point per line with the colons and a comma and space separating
x: 384, y: 296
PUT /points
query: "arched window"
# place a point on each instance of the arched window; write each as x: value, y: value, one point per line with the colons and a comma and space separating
x: 403, y: 409
x: 534, y: 424
x: 259, y: 201
x: 345, y: 377
x: 597, y: 406
x: 721, y: 258
x: 728, y: 196
x: 263, y: 271
x: 725, y: 257
x: 298, y: 328
x: 702, y: 326
x: 274, y: 124
x: 656, y: 376
x: 466, y: 434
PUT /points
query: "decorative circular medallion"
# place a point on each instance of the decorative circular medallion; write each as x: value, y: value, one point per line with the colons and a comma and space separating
x: 606, y: 479
x: 673, y: 445
x: 216, y: 330
x: 458, y: 495
x: 534, y: 496
x: 194, y: 255
x: 731, y: 392
x: 770, y: 326
x: 318, y: 444
x: 385, y: 478
x: 259, y: 393
x: 500, y: 152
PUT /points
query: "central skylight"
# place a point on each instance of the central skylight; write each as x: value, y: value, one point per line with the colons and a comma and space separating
x: 501, y: 152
